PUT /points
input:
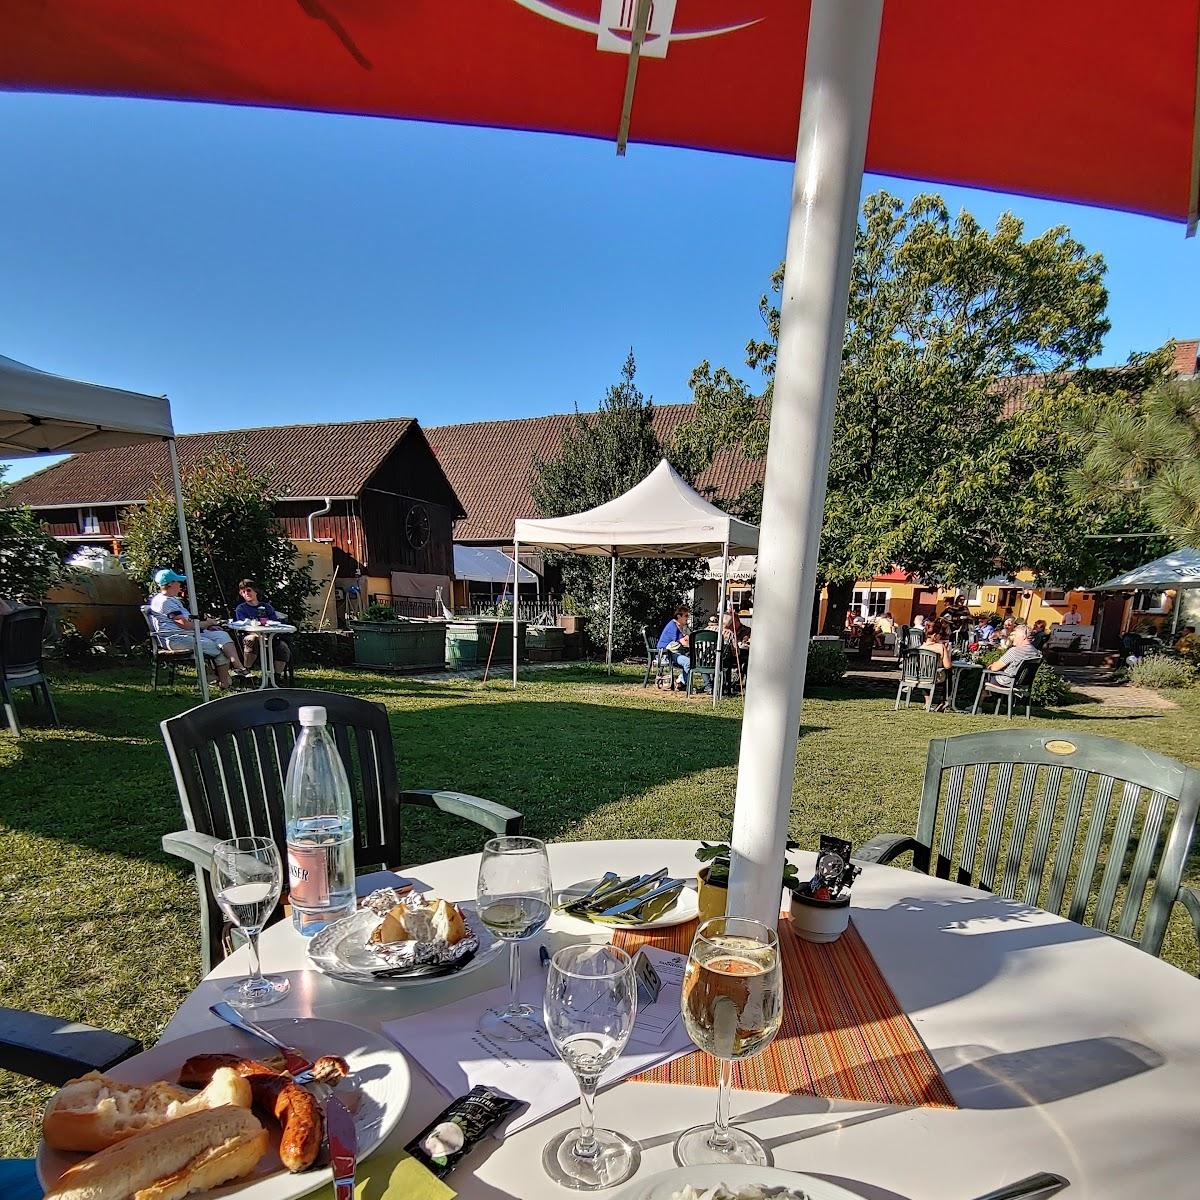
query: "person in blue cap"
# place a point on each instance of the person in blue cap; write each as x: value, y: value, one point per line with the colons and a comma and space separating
x: 173, y: 627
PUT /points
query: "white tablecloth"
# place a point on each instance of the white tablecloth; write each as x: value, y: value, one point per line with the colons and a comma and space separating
x: 1066, y: 1050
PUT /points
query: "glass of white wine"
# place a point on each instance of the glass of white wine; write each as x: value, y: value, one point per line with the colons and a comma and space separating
x: 513, y: 899
x: 732, y: 1001
x: 248, y: 879
x: 591, y: 1003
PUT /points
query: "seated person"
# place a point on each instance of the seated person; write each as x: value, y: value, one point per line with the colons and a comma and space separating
x: 937, y: 637
x: 173, y: 627
x: 1038, y: 635
x: 1020, y: 650
x: 673, y: 641
x: 251, y: 608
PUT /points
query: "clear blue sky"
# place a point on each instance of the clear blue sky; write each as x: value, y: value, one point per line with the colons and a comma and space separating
x: 264, y: 267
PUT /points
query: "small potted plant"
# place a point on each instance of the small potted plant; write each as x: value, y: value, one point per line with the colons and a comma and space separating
x: 714, y: 878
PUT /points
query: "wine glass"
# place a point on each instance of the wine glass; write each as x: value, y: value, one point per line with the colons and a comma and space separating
x: 514, y: 903
x: 248, y: 878
x: 591, y: 1002
x: 732, y: 1002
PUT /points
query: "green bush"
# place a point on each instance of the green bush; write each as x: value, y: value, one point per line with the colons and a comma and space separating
x: 1159, y: 671
x: 327, y: 648
x: 378, y: 612
x: 1050, y: 690
x: 826, y: 663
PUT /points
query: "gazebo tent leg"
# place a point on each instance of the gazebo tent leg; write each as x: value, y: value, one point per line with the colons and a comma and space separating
x: 839, y: 74
x: 516, y: 617
x: 612, y: 604
x: 718, y: 678
x: 186, y: 550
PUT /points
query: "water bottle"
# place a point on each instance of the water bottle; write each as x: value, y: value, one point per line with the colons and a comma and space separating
x: 318, y: 810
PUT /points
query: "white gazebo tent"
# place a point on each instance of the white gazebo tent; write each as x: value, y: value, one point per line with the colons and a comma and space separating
x: 661, y: 517
x: 42, y: 413
x: 1179, y: 570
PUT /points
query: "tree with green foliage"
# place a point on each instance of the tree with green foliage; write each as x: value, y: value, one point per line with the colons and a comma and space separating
x: 603, y: 455
x: 948, y: 323
x: 31, y: 561
x: 1145, y: 456
x: 233, y: 531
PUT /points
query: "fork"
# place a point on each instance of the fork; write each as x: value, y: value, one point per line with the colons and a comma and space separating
x: 298, y: 1067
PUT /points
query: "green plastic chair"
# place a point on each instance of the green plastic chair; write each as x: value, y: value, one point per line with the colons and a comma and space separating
x: 1020, y: 687
x: 702, y: 650
x: 918, y: 673
x: 657, y: 661
x: 1111, y: 827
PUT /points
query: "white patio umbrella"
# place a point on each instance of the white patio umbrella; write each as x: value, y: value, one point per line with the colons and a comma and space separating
x: 1179, y: 570
x: 41, y: 413
x: 663, y: 516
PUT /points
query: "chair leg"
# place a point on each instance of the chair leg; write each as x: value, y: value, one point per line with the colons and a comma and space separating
x: 50, y: 705
x: 649, y: 664
x: 898, y: 692
x: 11, y: 713
x: 1010, y: 699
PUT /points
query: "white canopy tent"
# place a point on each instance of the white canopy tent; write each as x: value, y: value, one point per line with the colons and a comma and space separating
x: 42, y: 413
x: 661, y: 517
x: 1180, y: 569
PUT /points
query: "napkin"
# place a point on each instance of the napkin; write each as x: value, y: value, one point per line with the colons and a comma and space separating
x: 393, y: 1174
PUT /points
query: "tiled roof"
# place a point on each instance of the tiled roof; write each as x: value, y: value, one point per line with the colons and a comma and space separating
x: 490, y: 466
x: 302, y: 460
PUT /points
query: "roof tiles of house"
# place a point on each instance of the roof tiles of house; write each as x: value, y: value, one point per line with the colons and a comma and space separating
x: 490, y: 465
x: 304, y: 461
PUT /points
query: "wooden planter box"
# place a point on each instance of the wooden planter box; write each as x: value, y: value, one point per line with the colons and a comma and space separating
x: 406, y: 645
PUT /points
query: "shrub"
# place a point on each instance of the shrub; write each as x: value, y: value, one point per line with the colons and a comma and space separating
x: 326, y: 648
x: 1050, y: 689
x: 1159, y: 671
x: 378, y: 612
x: 826, y: 663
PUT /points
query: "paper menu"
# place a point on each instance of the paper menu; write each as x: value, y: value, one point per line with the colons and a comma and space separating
x: 656, y: 1021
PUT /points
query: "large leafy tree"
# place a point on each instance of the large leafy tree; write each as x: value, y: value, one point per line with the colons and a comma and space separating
x: 233, y: 533
x: 31, y: 561
x: 602, y: 455
x: 949, y: 326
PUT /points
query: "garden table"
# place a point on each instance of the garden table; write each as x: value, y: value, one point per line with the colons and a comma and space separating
x: 958, y: 668
x: 1065, y: 1049
x: 268, y: 633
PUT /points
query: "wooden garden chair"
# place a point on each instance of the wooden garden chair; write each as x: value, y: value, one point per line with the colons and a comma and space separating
x: 1111, y: 827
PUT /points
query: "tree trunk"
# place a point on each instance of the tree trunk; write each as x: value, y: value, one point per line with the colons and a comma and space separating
x: 840, y: 592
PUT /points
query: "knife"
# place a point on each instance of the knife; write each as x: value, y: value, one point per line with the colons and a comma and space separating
x: 343, y: 1147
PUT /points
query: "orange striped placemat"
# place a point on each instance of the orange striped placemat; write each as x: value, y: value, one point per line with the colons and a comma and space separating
x: 844, y: 1035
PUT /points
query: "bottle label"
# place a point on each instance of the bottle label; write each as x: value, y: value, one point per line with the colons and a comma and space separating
x: 308, y: 875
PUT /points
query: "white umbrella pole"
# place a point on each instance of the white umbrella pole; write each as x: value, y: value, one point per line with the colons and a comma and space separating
x: 719, y: 677
x: 516, y: 577
x: 612, y: 604
x: 839, y: 73
x: 186, y: 550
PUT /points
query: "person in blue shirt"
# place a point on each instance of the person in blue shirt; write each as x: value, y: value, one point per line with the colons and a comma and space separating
x: 675, y: 634
x: 252, y: 608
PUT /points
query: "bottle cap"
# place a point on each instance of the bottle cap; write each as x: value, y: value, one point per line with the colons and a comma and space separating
x: 312, y: 714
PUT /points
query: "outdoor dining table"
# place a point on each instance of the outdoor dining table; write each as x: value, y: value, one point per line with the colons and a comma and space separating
x: 268, y: 632
x: 1064, y: 1049
x: 958, y: 668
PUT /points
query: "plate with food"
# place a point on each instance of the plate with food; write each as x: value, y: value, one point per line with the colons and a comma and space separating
x: 651, y: 901
x: 197, y: 1115
x: 718, y: 1182
x: 401, y: 939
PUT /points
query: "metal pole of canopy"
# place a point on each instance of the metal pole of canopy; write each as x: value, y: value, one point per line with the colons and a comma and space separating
x: 612, y: 604
x: 839, y: 74
x: 186, y: 550
x: 718, y: 678
x: 516, y: 578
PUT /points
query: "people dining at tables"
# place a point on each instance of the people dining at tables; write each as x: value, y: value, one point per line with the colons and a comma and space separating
x: 673, y: 642
x: 252, y: 608
x: 982, y: 633
x: 173, y: 628
x: 937, y: 637
x: 1020, y: 649
x: 1039, y: 635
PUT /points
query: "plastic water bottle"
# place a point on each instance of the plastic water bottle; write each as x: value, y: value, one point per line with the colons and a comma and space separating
x: 320, y: 828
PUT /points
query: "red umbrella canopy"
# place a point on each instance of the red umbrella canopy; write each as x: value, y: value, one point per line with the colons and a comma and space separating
x: 1088, y: 100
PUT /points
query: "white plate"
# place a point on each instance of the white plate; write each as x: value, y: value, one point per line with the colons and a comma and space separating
x: 664, y: 1186
x: 340, y: 951
x: 687, y: 908
x: 379, y: 1068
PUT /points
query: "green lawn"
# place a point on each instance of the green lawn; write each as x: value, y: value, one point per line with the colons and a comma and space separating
x: 97, y: 924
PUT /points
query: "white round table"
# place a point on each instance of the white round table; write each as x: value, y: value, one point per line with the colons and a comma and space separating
x: 1065, y: 1049
x: 268, y: 632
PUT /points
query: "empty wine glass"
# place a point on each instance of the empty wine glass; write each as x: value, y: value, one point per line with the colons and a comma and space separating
x: 248, y: 879
x: 514, y: 903
x: 732, y: 1002
x: 591, y: 1003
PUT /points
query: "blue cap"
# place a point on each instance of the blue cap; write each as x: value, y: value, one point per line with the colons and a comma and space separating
x: 166, y: 575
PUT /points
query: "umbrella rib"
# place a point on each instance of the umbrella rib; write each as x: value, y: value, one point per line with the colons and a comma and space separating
x: 641, y: 22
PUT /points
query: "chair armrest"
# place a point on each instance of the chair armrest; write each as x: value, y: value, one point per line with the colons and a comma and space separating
x: 197, y: 848
x: 886, y: 847
x: 497, y: 817
x: 1190, y: 899
x: 54, y: 1049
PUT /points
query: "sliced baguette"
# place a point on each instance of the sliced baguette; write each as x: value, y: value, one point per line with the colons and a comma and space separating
x: 94, y: 1112
x: 192, y: 1154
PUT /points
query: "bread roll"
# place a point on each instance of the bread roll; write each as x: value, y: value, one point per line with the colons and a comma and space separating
x: 93, y: 1112
x: 192, y: 1154
x: 439, y: 921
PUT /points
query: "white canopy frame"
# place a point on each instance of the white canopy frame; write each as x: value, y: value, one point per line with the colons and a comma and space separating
x: 663, y: 516
x: 41, y: 413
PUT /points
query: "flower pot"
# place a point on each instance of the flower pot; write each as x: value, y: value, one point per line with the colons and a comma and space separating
x: 713, y: 898
x: 818, y: 920
x: 572, y: 622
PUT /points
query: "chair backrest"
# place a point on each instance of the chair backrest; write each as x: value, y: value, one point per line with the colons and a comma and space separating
x: 1023, y: 679
x: 901, y: 640
x: 156, y: 640
x: 921, y: 665
x: 21, y: 634
x: 913, y: 636
x: 646, y: 639
x: 702, y: 646
x: 1111, y: 825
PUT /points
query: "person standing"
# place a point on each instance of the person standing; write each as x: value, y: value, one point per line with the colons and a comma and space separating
x: 173, y: 627
x: 1073, y: 617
